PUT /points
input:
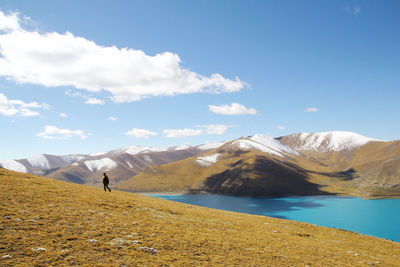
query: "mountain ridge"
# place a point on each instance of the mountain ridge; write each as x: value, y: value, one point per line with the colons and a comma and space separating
x: 86, y: 168
x: 258, y: 166
x: 334, y: 162
x: 326, y: 141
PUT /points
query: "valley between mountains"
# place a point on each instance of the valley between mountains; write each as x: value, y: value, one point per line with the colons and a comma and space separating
x: 342, y: 163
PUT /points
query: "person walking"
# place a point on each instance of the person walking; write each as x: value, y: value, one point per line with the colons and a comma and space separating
x: 106, y: 181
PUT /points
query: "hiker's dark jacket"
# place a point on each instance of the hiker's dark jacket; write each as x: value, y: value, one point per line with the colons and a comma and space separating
x: 105, y: 180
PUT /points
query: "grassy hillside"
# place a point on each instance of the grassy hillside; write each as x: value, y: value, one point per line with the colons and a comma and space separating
x: 50, y: 222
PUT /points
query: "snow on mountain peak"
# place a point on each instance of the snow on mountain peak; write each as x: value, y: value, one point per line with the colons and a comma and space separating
x: 210, y: 146
x: 330, y: 141
x: 140, y: 149
x: 104, y: 164
x: 265, y: 144
x: 13, y: 165
x: 74, y: 157
x: 97, y: 154
x: 207, y: 161
x: 39, y: 161
x: 181, y: 147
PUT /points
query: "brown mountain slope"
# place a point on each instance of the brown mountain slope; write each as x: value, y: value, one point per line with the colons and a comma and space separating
x: 378, y: 167
x: 128, y: 165
x: 370, y: 171
x: 237, y: 172
x: 259, y: 175
x: 373, y: 170
x: 46, y: 222
x: 122, y: 163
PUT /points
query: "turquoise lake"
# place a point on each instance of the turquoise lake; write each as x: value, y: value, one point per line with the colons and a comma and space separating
x: 377, y: 217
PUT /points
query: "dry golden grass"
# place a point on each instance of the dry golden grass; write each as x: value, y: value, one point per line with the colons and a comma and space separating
x: 49, y: 222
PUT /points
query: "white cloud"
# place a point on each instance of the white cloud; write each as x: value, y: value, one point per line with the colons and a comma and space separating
x: 9, y: 22
x: 10, y: 107
x: 354, y: 10
x: 280, y: 127
x: 63, y: 115
x: 179, y: 133
x: 90, y: 100
x: 140, y: 133
x: 311, y: 110
x: 211, y: 129
x: 52, y: 132
x: 53, y: 59
x: 70, y: 93
x: 217, y: 129
x: 233, y: 109
x: 94, y: 101
x: 111, y: 118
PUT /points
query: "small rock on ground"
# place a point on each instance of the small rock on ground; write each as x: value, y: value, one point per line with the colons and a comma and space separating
x: 149, y: 250
x: 122, y: 242
x: 39, y: 249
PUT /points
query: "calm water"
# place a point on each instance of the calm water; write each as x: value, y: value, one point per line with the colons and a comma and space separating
x: 378, y: 217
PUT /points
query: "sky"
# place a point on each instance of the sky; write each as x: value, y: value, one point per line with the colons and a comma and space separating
x: 92, y: 76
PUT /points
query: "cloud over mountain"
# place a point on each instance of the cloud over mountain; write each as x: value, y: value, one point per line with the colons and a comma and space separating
x: 217, y: 129
x: 140, y: 133
x: 53, y: 132
x: 53, y: 59
x: 232, y: 109
x: 179, y: 133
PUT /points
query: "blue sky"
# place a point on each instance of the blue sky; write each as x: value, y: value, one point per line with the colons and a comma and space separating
x: 90, y: 76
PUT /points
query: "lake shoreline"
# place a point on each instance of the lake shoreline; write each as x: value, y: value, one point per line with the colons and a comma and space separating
x: 189, y: 193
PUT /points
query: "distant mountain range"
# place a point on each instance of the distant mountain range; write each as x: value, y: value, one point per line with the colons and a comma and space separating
x: 120, y: 164
x: 336, y: 162
x: 299, y: 164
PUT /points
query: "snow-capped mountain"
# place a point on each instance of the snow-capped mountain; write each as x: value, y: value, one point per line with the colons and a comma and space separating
x: 13, y: 165
x: 256, y: 165
x: 295, y: 144
x: 93, y: 161
x: 265, y: 144
x: 122, y: 163
x: 105, y: 164
x: 325, y: 141
x: 41, y: 162
x: 299, y: 164
x: 286, y: 145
